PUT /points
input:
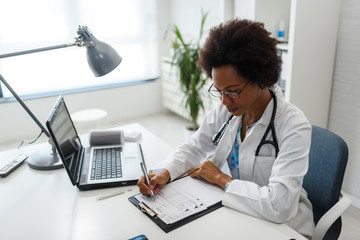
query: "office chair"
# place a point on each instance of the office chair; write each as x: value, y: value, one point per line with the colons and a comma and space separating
x: 327, y: 162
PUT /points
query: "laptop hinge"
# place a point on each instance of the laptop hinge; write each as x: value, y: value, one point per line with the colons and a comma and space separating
x: 80, y: 160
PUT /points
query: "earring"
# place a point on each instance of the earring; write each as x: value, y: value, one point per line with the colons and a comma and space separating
x: 259, y: 91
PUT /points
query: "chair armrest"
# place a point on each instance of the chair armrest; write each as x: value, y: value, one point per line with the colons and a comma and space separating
x: 330, y: 216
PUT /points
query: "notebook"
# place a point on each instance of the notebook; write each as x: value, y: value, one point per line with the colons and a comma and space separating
x: 86, y: 167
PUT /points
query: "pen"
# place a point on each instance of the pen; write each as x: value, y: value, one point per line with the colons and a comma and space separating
x: 147, y: 179
x: 113, y: 194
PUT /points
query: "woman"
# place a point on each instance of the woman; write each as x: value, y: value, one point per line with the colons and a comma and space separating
x: 242, y: 60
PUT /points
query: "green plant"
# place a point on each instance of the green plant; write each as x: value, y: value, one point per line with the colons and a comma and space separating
x: 185, y: 56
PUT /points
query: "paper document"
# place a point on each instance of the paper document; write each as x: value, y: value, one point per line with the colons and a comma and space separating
x: 182, y: 198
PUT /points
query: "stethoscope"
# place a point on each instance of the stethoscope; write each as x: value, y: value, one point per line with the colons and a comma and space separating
x: 271, y: 127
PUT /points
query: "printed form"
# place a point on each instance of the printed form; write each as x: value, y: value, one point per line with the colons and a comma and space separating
x: 182, y: 198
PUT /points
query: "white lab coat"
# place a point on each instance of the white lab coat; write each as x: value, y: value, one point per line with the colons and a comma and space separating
x: 268, y: 188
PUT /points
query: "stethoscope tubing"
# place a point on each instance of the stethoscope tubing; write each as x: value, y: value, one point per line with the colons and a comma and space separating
x: 219, y: 134
x: 271, y: 127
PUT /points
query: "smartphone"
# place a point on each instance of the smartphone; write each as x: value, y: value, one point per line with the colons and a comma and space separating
x: 140, y: 237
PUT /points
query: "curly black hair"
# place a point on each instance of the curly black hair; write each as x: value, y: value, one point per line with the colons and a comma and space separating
x: 245, y: 45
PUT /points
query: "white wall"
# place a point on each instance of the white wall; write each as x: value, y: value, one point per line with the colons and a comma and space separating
x: 186, y: 14
x: 313, y: 39
x: 271, y: 13
x: 121, y: 103
x: 163, y: 19
x: 268, y: 12
x: 345, y: 108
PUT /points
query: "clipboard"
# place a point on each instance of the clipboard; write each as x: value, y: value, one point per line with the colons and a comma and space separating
x: 199, y: 196
x: 169, y: 227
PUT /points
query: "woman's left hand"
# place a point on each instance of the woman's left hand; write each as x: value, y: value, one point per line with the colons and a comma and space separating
x: 208, y: 171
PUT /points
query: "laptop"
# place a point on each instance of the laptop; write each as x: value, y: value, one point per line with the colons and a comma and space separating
x: 92, y: 167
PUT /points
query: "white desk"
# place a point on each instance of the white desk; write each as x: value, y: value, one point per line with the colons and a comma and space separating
x: 44, y: 205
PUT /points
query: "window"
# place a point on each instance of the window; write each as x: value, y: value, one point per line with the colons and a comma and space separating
x: 127, y: 25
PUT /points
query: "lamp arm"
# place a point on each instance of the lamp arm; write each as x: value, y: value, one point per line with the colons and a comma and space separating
x: 78, y: 42
x: 102, y: 59
x: 24, y: 106
x: 40, y: 49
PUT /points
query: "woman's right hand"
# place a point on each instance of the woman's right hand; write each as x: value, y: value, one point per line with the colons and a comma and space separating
x: 157, y: 182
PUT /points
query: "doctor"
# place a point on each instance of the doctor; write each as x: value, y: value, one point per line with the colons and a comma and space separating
x: 261, y: 155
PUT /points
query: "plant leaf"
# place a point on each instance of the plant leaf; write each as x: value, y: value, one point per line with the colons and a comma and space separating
x: 191, y: 79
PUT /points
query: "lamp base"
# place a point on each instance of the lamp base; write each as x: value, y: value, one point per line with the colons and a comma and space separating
x: 45, y: 160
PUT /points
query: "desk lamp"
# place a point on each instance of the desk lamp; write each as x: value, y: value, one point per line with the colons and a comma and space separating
x: 102, y: 59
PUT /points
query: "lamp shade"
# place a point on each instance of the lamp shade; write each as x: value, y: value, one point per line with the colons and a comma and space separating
x: 101, y: 57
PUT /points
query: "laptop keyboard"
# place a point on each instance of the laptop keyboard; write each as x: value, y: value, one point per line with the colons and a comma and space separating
x: 106, y: 163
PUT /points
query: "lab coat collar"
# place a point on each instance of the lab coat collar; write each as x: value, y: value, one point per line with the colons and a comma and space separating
x: 225, y: 145
x: 266, y: 117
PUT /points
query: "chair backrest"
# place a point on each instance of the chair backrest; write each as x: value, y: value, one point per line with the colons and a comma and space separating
x: 327, y: 162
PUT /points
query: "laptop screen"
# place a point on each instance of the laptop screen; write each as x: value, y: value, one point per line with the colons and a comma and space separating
x: 65, y: 137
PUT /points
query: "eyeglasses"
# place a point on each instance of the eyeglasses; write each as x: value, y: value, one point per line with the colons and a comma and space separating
x: 231, y: 94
